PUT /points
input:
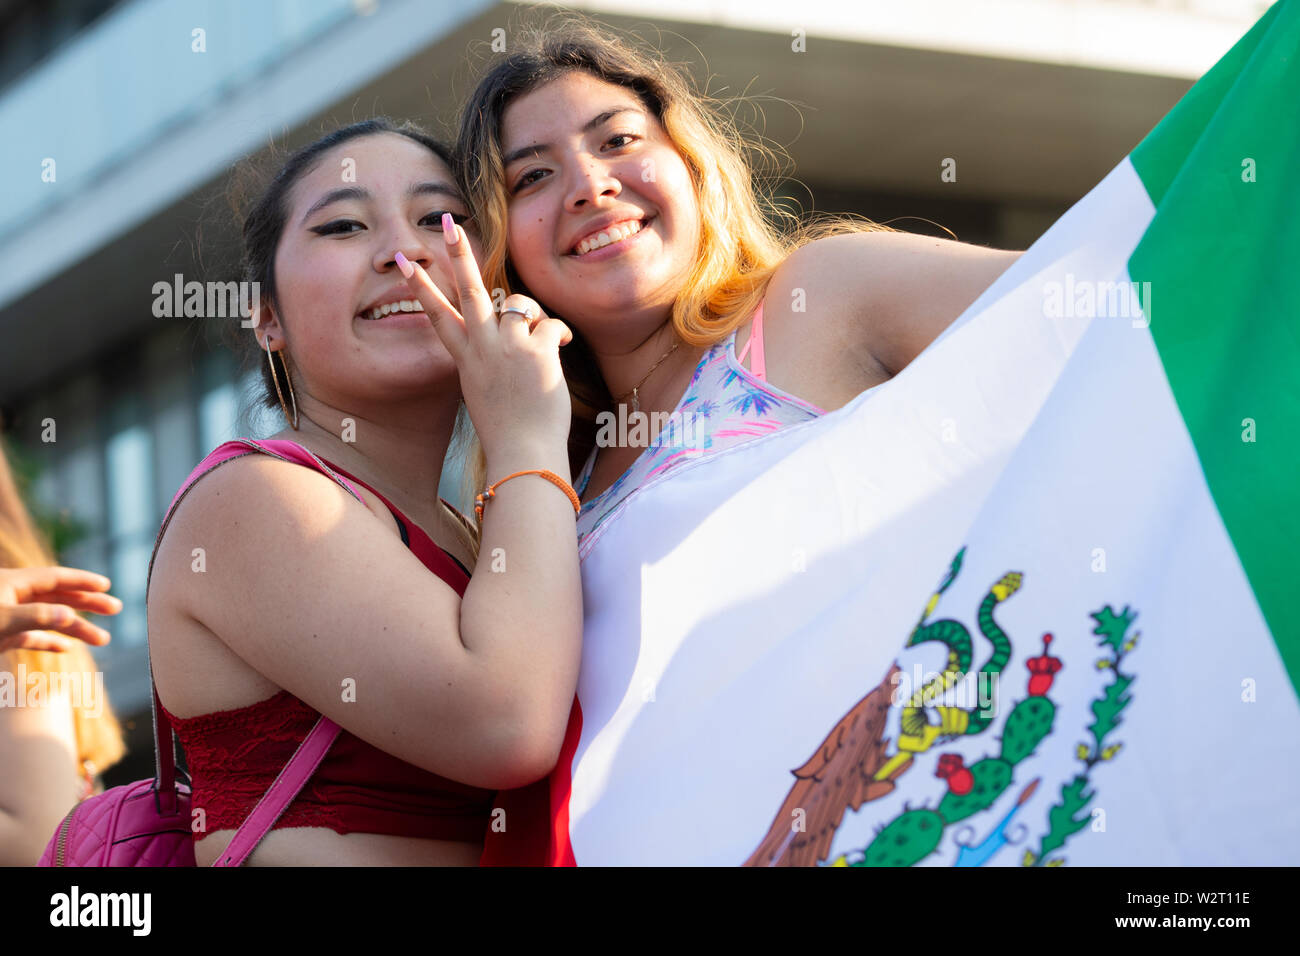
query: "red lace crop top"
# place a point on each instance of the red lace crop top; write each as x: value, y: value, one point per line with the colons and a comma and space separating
x: 234, y: 755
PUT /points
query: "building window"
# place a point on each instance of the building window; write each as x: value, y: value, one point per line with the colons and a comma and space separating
x: 218, y: 416
x: 131, y: 524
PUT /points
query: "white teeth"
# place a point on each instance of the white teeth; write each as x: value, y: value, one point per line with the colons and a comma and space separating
x: 405, y: 305
x: 602, y: 239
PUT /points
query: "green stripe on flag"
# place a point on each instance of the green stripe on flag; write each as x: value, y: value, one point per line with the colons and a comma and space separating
x: 1223, y: 258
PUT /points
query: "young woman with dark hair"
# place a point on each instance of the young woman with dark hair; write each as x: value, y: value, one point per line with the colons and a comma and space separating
x: 318, y: 572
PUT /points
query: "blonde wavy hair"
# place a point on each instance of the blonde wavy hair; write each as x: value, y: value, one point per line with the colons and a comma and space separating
x: 99, y: 736
x: 744, y: 233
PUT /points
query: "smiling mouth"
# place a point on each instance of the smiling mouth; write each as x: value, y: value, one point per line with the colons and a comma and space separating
x: 609, y: 237
x: 409, y: 306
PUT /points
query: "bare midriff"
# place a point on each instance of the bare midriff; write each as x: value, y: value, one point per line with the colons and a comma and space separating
x: 321, y: 846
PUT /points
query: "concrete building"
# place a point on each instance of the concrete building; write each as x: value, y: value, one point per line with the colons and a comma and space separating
x: 120, y: 121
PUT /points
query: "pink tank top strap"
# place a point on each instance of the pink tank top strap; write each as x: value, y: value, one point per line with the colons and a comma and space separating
x: 758, y: 367
x: 277, y: 448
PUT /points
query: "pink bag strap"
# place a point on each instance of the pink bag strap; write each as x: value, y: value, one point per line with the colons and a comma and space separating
x: 758, y: 367
x: 287, y: 785
x: 274, y: 802
x: 311, y: 751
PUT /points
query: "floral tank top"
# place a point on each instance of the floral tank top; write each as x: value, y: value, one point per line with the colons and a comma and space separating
x: 725, y: 405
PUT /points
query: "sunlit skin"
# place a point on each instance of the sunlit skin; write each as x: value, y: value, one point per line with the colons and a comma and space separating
x: 870, y: 302
x: 36, y: 606
x: 589, y: 165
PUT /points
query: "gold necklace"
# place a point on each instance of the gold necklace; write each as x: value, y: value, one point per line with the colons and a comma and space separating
x: 636, y: 403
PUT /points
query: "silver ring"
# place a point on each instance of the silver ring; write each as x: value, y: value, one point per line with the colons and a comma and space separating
x: 527, y: 313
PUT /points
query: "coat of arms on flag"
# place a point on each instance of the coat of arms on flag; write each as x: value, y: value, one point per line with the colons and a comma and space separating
x: 857, y: 763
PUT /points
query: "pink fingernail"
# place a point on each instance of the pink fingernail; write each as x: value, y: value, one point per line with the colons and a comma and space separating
x: 449, y: 229
x: 404, y: 264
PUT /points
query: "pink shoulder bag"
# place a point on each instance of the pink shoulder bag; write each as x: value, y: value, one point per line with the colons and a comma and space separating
x: 147, y: 823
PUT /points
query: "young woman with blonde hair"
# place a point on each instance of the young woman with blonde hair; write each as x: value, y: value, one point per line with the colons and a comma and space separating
x: 626, y: 204
x: 57, y: 731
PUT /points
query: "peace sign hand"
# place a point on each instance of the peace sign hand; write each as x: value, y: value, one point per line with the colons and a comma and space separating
x: 509, y: 367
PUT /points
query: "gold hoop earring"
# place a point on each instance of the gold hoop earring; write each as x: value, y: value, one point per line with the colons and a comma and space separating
x: 276, y: 378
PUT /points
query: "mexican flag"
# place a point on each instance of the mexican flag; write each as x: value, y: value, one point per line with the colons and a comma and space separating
x: 1034, y: 602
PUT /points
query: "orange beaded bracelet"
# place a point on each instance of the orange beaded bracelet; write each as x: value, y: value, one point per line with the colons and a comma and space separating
x: 552, y: 477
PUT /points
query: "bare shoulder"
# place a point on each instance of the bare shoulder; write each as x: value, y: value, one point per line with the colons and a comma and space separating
x: 885, y: 295
x: 273, y: 576
x: 245, y: 493
x: 200, y: 582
